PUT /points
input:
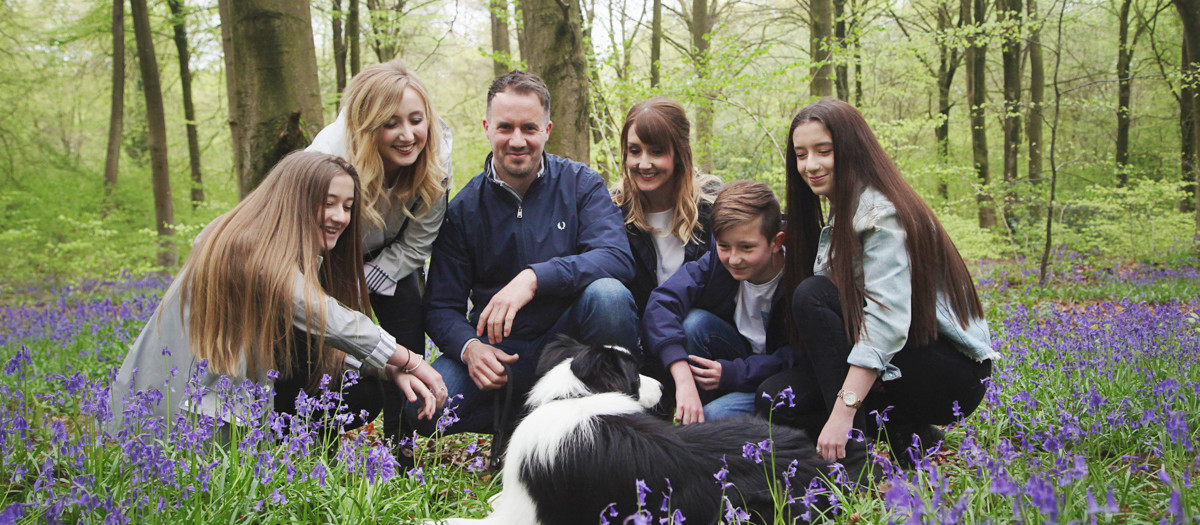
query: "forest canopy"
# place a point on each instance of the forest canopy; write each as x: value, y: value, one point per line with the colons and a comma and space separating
x: 986, y: 107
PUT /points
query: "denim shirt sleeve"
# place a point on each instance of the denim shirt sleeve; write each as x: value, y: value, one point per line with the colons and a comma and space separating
x: 887, y: 280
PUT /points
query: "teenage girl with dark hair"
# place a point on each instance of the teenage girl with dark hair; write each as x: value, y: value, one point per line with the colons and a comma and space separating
x: 886, y: 314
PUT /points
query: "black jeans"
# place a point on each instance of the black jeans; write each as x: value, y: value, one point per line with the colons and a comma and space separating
x: 366, y: 394
x: 934, y: 375
x: 402, y: 316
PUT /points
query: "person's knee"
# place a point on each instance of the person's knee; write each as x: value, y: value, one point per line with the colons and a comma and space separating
x: 608, y: 293
x: 811, y: 295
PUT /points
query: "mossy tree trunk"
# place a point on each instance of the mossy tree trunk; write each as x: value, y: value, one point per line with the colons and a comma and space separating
x: 554, y: 51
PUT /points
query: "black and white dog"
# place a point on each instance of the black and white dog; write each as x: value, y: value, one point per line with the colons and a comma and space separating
x: 587, y: 439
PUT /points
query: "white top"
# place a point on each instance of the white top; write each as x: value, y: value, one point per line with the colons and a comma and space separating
x: 753, y: 309
x: 668, y: 245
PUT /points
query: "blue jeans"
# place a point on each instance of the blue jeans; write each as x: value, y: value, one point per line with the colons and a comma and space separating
x: 603, y: 314
x: 711, y: 337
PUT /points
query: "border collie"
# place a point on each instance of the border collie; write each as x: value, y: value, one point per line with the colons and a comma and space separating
x: 587, y: 439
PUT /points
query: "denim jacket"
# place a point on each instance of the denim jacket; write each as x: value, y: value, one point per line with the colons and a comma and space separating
x: 887, y: 279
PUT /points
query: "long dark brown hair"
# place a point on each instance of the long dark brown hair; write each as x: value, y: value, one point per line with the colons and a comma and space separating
x: 859, y: 162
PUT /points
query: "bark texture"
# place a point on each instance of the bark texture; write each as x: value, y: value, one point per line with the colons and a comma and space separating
x: 116, y: 120
x: 977, y: 94
x: 160, y: 172
x: 554, y: 51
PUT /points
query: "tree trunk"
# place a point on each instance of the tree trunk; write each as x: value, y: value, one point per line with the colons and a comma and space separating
x: 189, y: 108
x: 702, y: 24
x: 1189, y: 12
x: 339, y: 51
x: 1037, y: 93
x: 353, y: 32
x: 1124, y: 57
x: 554, y: 30
x: 501, y: 51
x: 116, y: 121
x: 976, y: 92
x: 1187, y: 139
x: 656, y: 36
x: 948, y: 60
x: 275, y: 100
x: 385, y: 28
x: 1009, y: 12
x: 820, y: 49
x: 841, y: 76
x: 164, y: 212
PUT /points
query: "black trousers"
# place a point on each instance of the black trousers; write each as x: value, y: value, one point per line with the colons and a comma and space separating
x: 934, y: 376
x: 366, y: 394
x: 402, y: 316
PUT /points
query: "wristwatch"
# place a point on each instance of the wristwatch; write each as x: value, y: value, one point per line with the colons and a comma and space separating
x: 849, y: 398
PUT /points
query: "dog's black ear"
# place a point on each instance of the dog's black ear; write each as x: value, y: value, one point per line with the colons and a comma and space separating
x: 607, y: 369
x: 557, y: 351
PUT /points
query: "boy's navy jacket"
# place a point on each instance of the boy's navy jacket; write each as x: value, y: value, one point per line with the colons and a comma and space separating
x: 566, y: 228
x: 707, y: 285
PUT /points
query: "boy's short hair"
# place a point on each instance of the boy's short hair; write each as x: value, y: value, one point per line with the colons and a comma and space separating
x: 742, y: 201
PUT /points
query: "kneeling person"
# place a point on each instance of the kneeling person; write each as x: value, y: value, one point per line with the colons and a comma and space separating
x: 718, y: 350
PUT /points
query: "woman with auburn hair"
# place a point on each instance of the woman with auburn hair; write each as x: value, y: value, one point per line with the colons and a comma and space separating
x: 666, y: 203
x: 884, y: 308
x: 274, y: 284
x: 390, y: 132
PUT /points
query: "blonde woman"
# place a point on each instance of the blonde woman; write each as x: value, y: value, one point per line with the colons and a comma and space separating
x: 275, y: 284
x: 666, y: 203
x: 390, y: 132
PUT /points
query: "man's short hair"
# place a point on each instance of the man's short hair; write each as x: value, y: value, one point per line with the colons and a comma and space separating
x: 522, y: 82
x: 743, y: 201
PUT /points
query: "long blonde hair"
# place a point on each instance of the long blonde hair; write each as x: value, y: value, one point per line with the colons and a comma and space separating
x: 371, y: 99
x: 239, y: 278
x: 662, y: 123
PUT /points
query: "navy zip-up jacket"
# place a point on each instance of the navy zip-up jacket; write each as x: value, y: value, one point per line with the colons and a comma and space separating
x: 707, y: 285
x: 566, y: 228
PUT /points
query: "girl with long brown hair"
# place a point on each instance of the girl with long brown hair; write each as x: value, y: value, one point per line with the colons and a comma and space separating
x: 388, y: 129
x: 274, y: 284
x: 884, y: 309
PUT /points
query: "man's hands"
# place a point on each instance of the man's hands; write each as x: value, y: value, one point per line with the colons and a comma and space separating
x: 485, y: 363
x: 497, y: 316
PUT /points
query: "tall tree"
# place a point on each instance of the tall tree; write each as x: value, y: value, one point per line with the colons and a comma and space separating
x: 1037, y: 93
x: 656, y: 37
x: 1009, y: 14
x: 116, y: 121
x: 1189, y: 13
x: 339, y: 49
x: 271, y: 68
x: 160, y: 172
x: 977, y: 94
x: 841, y: 71
x: 821, y: 47
x: 501, y: 50
x: 1124, y: 88
x: 702, y: 23
x: 1189, y: 138
x: 353, y: 33
x: 189, y: 108
x: 554, y: 50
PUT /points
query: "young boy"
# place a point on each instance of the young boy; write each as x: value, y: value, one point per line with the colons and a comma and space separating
x: 720, y: 327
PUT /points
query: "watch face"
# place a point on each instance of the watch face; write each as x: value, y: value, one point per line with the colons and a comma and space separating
x: 850, y: 398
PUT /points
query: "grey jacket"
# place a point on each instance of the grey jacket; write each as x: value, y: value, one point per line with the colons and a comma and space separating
x: 887, y: 278
x: 161, y: 358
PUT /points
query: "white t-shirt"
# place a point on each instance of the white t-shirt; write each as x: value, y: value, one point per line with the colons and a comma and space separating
x: 753, y: 309
x: 668, y: 245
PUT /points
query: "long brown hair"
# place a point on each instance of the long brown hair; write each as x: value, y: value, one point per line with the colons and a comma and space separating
x: 859, y: 162
x: 239, y: 279
x: 372, y: 97
x: 662, y: 123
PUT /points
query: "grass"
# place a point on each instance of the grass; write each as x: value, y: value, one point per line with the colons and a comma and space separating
x: 1092, y: 416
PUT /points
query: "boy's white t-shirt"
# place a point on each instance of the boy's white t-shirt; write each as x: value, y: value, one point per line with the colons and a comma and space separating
x: 753, y: 309
x: 668, y: 245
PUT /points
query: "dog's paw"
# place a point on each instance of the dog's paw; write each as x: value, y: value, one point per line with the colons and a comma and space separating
x: 650, y: 391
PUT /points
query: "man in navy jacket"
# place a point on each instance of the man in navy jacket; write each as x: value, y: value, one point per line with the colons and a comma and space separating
x: 537, y: 247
